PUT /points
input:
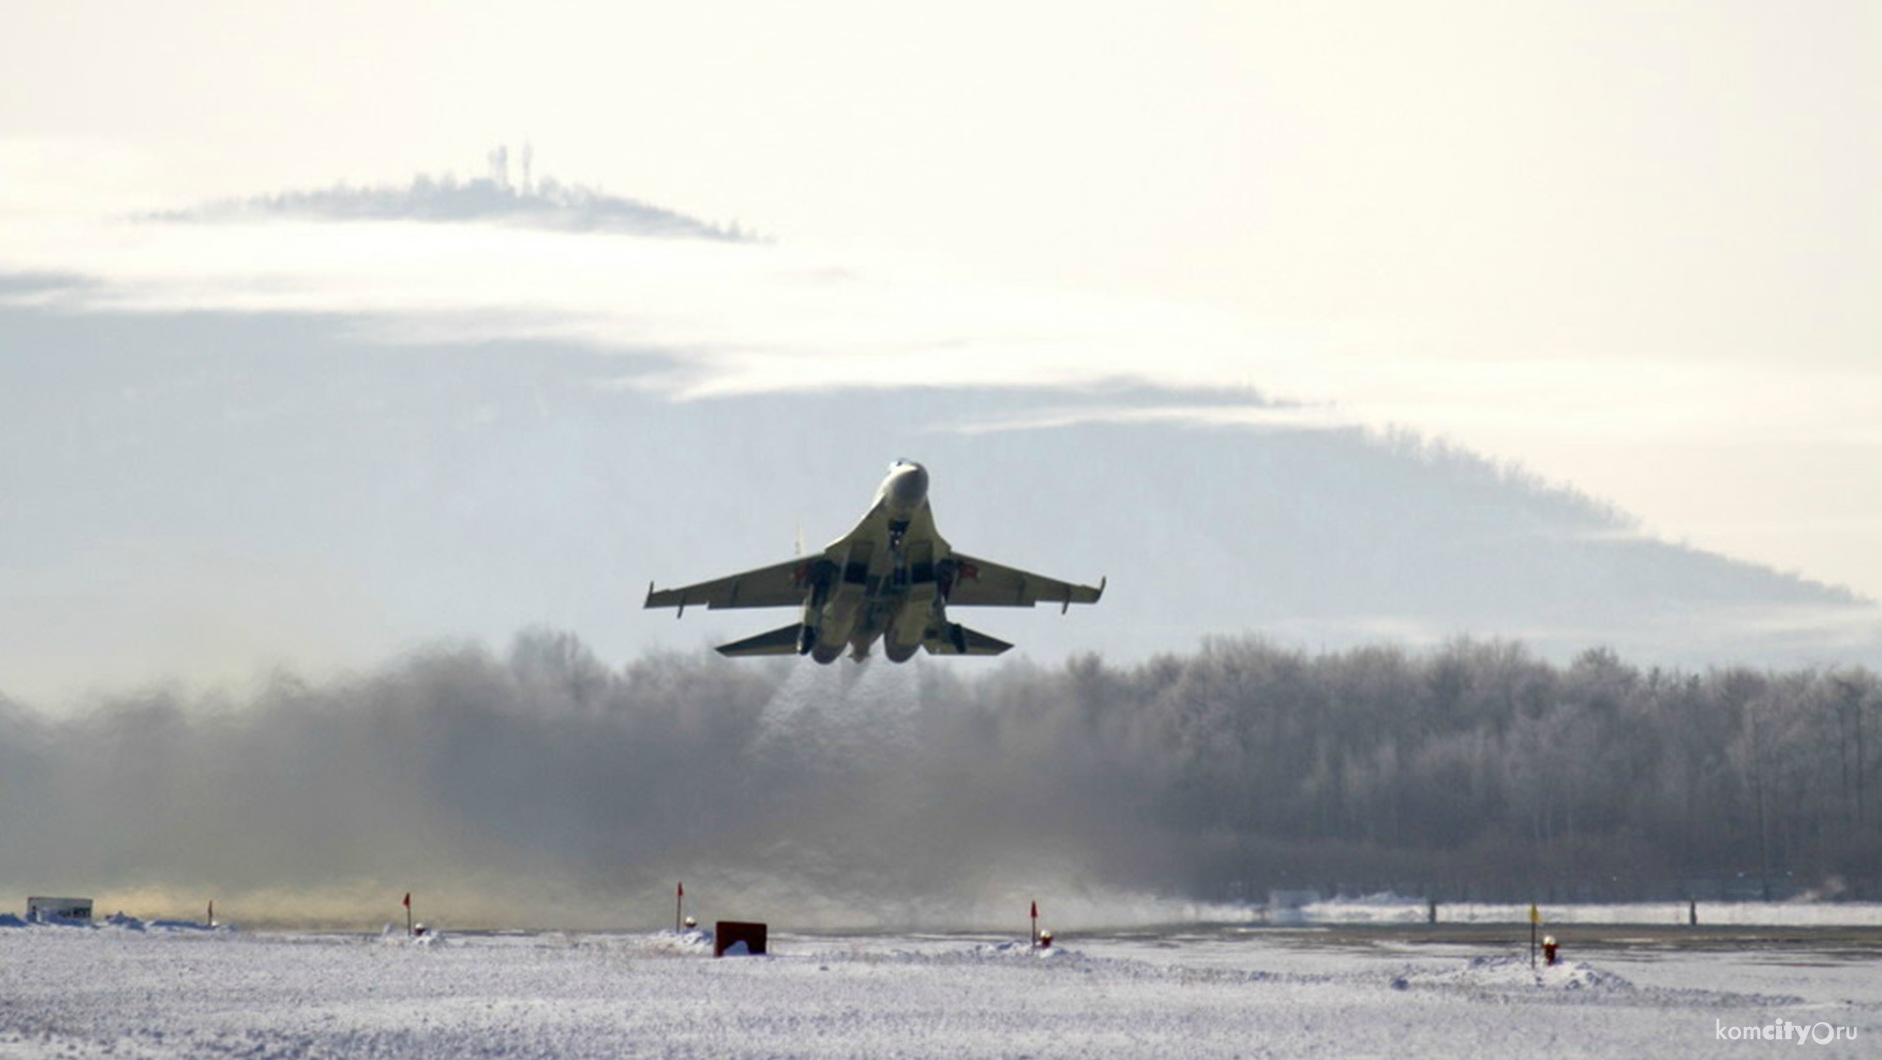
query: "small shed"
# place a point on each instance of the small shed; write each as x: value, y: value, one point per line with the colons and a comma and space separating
x: 738, y: 937
x: 44, y: 909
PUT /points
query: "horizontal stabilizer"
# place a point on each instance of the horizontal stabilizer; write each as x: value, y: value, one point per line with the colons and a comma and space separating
x: 959, y: 640
x: 780, y: 641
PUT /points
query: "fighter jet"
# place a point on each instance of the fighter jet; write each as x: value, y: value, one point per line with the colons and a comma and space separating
x: 891, y: 578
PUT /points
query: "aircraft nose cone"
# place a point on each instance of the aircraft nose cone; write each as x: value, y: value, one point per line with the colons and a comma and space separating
x: 909, y: 486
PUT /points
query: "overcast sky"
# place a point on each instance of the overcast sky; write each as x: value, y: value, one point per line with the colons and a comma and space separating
x: 1634, y: 246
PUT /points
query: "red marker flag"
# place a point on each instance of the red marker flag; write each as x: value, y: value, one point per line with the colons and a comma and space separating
x: 408, y: 899
x: 682, y: 892
x: 1035, y: 910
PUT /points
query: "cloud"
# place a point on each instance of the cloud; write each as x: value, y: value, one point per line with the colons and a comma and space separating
x: 1252, y: 415
x: 736, y: 318
x: 742, y: 317
x: 726, y: 318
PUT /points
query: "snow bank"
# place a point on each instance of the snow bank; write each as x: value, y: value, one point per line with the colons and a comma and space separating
x: 392, y: 935
x: 1515, y: 972
x: 693, y: 942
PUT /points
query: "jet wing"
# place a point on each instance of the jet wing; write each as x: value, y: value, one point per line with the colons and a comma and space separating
x: 779, y: 585
x: 981, y: 583
x: 782, y: 641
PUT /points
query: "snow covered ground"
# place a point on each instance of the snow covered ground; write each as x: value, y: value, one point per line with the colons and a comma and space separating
x: 133, y: 990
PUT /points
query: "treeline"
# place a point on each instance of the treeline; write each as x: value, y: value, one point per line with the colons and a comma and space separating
x: 1474, y: 770
x: 1470, y: 771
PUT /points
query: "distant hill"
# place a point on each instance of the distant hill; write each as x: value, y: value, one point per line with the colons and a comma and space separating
x: 547, y: 204
x: 288, y: 475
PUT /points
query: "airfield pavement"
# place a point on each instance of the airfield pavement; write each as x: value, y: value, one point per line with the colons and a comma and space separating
x: 1368, y: 991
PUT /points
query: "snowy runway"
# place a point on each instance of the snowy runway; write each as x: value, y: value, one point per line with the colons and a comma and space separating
x: 75, y: 992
